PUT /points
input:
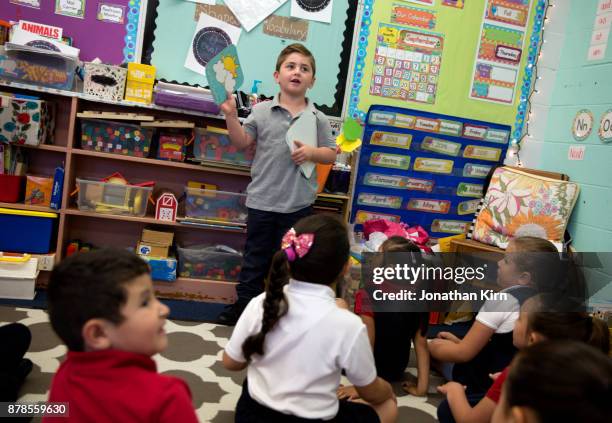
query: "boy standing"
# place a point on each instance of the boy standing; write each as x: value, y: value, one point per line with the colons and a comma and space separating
x: 279, y: 194
x: 102, y: 305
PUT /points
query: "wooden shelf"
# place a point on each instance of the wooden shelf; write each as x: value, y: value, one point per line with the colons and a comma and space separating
x: 146, y: 219
x: 165, y: 163
x: 45, y: 147
x: 21, y: 206
x: 334, y: 196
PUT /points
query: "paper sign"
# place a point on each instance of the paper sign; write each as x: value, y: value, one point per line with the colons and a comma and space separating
x: 411, y: 16
x: 73, y: 8
x: 507, y: 12
x: 251, y: 12
x: 223, y: 13
x: 111, y: 13
x: 394, y: 161
x: 35, y: 4
x: 364, y: 216
x: 576, y: 152
x: 211, y: 36
x: 454, y: 3
x: 603, y: 21
x: 314, y: 10
x: 47, y: 31
x: 600, y: 36
x: 224, y: 73
x: 604, y: 6
x: 582, y: 125
x: 304, y: 130
x: 605, y: 127
x: 284, y: 27
x: 429, y: 206
x: 391, y: 139
x: 449, y: 226
x: 474, y: 170
x: 597, y: 52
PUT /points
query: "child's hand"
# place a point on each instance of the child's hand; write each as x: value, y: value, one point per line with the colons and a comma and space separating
x: 302, y: 153
x: 347, y: 392
x: 411, y: 388
x: 450, y: 387
x: 449, y: 337
x: 228, y: 107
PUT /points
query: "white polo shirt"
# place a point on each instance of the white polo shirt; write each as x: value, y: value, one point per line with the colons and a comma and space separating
x: 305, y: 353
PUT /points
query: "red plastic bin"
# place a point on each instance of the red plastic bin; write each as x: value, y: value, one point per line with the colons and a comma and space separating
x: 11, y: 188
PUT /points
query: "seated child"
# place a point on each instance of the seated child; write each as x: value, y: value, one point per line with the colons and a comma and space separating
x: 557, y: 381
x: 392, y: 352
x: 487, y: 347
x: 102, y: 306
x: 536, y: 323
x: 295, y: 341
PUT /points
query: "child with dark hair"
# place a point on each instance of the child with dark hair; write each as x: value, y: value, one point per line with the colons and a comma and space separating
x: 296, y: 341
x: 527, y: 268
x: 391, y: 351
x: 557, y: 381
x: 538, y: 321
x: 102, y: 305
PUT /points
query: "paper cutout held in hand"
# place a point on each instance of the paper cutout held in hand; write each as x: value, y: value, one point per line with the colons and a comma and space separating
x: 350, y: 138
x: 224, y: 73
x: 304, y: 129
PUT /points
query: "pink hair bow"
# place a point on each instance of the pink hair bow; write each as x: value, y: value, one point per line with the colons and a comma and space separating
x: 296, y: 245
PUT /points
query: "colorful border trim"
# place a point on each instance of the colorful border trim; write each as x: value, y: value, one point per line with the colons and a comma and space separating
x: 534, y: 42
x: 131, y: 28
x: 364, y: 32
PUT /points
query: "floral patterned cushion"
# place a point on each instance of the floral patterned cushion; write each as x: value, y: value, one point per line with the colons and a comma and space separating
x: 521, y: 204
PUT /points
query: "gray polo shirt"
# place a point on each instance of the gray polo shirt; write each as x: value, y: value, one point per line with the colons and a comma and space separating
x: 277, y: 184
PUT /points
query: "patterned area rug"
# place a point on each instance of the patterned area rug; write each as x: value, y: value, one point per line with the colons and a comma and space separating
x: 194, y: 354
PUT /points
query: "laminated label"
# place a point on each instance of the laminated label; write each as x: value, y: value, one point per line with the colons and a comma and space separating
x: 450, y: 127
x: 497, y: 135
x: 482, y: 153
x: 437, y: 145
x: 377, y: 200
x: 394, y: 161
x: 469, y: 190
x: 468, y: 207
x: 428, y: 205
x: 397, y: 120
x: 422, y: 164
x: 364, y: 216
x: 390, y: 139
x: 425, y: 124
x: 475, y: 170
x: 449, y: 226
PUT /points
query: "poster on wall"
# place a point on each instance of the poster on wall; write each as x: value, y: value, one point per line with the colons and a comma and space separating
x: 313, y: 10
x: 500, y: 50
x: 72, y: 8
x: 35, y: 4
x: 113, y: 13
x: 210, y: 37
x: 406, y: 64
x: 250, y: 13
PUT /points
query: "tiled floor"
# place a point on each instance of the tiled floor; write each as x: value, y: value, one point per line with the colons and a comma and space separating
x: 194, y: 353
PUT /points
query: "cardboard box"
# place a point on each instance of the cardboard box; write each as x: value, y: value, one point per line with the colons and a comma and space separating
x: 139, y: 92
x: 157, y: 237
x: 152, y: 250
x: 138, y: 72
x: 38, y: 190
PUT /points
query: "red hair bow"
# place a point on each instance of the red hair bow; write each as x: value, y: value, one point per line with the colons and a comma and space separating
x: 296, y: 245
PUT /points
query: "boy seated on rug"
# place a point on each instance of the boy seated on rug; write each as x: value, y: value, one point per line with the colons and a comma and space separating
x: 102, y: 306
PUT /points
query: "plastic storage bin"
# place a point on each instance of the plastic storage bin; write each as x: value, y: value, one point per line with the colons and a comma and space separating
x: 18, y: 277
x: 11, y: 188
x: 103, y: 197
x: 36, y: 66
x: 115, y: 137
x: 216, y: 206
x: 209, y: 262
x: 213, y: 145
x: 26, y: 231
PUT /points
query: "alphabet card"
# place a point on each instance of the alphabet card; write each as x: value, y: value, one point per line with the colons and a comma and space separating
x: 224, y: 73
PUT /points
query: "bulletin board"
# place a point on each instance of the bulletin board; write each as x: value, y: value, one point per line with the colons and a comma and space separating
x: 113, y: 43
x: 469, y: 58
x: 425, y: 168
x: 175, y: 26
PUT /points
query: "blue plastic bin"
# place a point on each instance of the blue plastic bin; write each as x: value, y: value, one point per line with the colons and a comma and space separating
x: 24, y: 231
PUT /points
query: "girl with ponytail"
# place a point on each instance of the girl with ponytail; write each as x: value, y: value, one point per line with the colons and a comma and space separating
x: 295, y: 341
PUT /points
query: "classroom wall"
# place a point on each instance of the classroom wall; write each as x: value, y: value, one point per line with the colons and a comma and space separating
x: 569, y: 83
